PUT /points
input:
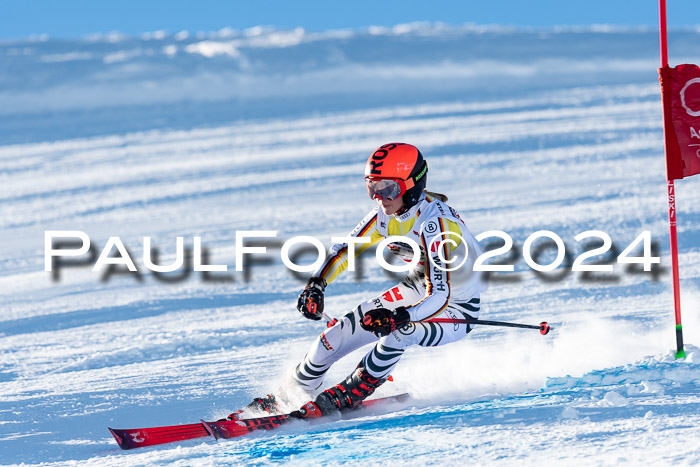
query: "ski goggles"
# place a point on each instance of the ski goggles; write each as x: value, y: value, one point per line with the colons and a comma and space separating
x: 387, y: 189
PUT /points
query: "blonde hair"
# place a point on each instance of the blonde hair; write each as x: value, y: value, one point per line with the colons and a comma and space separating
x: 439, y: 196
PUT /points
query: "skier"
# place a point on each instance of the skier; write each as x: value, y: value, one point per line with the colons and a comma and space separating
x: 395, y: 176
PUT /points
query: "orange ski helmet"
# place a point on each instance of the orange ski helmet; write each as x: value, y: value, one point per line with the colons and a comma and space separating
x: 396, y: 169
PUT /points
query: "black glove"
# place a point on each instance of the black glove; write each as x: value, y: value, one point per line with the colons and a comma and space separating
x: 382, y: 322
x: 310, y: 303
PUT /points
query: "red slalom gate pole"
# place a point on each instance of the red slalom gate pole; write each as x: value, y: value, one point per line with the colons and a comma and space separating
x: 680, y: 353
x: 662, y: 32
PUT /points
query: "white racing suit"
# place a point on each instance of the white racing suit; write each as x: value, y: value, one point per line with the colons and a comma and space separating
x: 429, y: 291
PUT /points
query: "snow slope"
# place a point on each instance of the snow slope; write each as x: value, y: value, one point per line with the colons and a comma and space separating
x: 187, y: 135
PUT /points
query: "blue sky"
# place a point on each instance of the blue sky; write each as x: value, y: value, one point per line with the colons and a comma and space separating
x: 76, y: 18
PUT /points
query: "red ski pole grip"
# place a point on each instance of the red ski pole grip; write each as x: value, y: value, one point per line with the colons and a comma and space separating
x: 544, y: 328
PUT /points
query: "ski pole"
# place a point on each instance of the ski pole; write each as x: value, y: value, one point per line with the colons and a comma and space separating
x: 329, y: 321
x: 543, y: 326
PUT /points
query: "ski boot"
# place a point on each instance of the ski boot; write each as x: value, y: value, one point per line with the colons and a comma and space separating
x: 344, y: 396
x: 261, y: 405
x: 264, y: 404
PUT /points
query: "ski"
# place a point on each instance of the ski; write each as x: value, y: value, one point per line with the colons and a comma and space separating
x: 142, y: 437
x: 234, y: 428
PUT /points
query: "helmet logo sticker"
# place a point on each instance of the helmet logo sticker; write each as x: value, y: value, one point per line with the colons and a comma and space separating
x: 422, y: 172
x: 379, y: 155
x: 375, y: 167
